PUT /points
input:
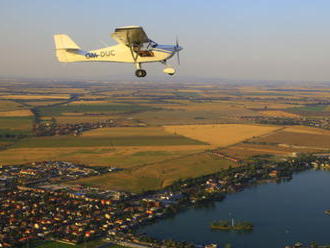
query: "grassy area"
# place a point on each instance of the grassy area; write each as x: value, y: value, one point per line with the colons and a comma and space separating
x: 92, y: 108
x: 298, y: 139
x: 189, y: 112
x: 16, y: 123
x: 160, y: 174
x: 186, y: 94
x: 81, y: 141
x: 123, y: 156
x: 314, y: 108
x: 27, y: 96
x: 127, y: 132
x: 10, y: 106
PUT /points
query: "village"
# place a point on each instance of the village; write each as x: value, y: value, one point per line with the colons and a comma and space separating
x: 80, y: 213
x: 46, y: 172
x: 303, y: 121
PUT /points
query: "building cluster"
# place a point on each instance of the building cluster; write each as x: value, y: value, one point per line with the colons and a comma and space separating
x: 46, y: 172
x: 29, y: 214
x: 309, y: 122
x: 53, y: 128
x: 77, y: 214
x: 311, y: 245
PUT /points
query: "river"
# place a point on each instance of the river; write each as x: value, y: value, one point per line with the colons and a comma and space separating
x: 282, y: 214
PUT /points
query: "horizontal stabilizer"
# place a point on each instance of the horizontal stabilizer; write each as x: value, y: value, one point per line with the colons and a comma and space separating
x: 63, y: 41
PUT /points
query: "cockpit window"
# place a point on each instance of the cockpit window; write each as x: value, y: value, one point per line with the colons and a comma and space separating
x: 153, y: 44
x: 145, y: 49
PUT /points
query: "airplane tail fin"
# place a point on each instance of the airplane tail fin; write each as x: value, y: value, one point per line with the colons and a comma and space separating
x: 66, y: 48
x: 63, y: 41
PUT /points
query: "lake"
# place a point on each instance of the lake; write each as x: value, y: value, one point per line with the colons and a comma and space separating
x: 282, y: 214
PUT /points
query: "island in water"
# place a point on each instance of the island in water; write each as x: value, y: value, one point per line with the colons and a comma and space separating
x: 227, y: 225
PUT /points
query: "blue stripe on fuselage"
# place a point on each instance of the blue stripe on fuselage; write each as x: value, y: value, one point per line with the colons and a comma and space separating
x: 163, y: 51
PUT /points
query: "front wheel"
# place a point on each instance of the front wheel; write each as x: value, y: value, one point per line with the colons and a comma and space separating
x: 140, y: 73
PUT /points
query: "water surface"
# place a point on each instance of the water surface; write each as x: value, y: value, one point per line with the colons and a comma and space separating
x: 282, y: 214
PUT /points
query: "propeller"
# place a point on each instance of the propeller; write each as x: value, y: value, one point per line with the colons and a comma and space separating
x: 177, y: 49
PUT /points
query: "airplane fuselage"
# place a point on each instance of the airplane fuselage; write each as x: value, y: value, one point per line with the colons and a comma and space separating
x: 117, y: 53
x: 133, y: 46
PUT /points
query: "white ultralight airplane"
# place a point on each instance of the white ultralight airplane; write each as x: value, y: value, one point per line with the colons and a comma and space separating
x: 133, y: 46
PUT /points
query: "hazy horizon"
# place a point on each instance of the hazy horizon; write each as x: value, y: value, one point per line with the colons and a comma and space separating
x: 238, y: 39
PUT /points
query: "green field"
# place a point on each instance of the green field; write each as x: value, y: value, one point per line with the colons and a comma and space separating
x: 160, y: 174
x: 313, y: 108
x: 23, y: 124
x: 143, y: 158
x: 80, y: 141
x: 92, y: 108
x: 187, y: 94
x: 126, y: 132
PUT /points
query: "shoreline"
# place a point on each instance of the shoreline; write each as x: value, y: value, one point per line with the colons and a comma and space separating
x: 287, y: 177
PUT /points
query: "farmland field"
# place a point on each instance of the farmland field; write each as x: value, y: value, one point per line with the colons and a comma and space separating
x: 161, y: 132
x: 298, y: 139
x: 123, y: 156
x: 80, y: 118
x: 221, y: 134
x: 16, y: 123
x: 161, y: 174
x: 10, y: 106
x: 92, y: 108
x: 12, y: 113
x: 273, y: 113
x: 81, y: 141
x: 127, y: 131
x: 34, y: 96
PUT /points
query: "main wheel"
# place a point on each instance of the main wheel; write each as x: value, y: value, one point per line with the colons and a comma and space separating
x: 140, y: 73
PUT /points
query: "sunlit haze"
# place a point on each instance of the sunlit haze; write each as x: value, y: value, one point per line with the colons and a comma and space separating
x: 233, y: 39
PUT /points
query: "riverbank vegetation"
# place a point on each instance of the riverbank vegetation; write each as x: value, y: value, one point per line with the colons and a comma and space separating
x: 226, y: 225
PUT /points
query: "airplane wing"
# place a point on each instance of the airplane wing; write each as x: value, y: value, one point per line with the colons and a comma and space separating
x: 130, y: 35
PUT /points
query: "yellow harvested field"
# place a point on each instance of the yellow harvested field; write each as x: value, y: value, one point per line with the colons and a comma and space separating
x: 123, y: 157
x: 221, y: 134
x: 276, y: 113
x: 9, y: 106
x: 13, y: 113
x: 59, y: 96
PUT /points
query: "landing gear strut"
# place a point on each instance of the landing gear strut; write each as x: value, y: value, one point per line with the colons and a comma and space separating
x: 140, y: 73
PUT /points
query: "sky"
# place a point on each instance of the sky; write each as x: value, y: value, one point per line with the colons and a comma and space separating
x: 231, y: 39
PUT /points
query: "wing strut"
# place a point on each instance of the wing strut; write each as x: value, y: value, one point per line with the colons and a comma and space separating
x: 131, y: 49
